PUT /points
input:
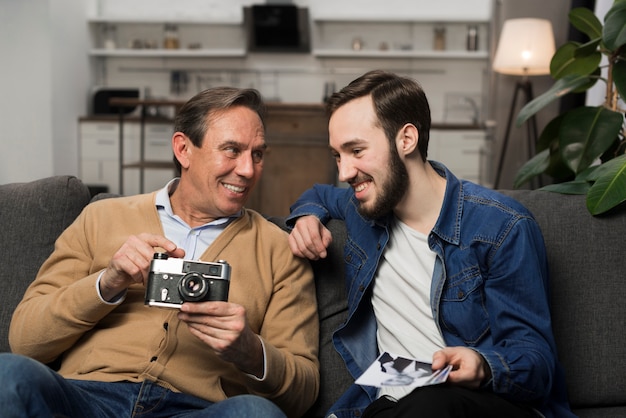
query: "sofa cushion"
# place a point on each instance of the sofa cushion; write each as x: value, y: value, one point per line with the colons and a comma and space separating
x: 33, y: 215
x: 586, y: 261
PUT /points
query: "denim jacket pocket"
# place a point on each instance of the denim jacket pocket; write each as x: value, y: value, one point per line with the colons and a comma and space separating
x: 463, y: 311
x: 354, y: 259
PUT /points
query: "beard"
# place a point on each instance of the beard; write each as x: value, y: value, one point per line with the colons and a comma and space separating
x: 392, y: 189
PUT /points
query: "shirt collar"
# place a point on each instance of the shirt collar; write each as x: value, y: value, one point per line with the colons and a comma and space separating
x: 162, y: 202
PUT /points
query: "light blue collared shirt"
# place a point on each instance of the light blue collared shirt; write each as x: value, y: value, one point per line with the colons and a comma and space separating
x: 194, y: 241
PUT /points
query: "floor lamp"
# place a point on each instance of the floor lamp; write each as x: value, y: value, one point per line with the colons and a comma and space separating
x: 525, y: 49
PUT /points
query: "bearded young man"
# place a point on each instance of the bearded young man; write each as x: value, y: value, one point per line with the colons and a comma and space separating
x: 438, y: 269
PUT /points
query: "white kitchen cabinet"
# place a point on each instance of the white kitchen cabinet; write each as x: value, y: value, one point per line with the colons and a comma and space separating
x: 100, y: 154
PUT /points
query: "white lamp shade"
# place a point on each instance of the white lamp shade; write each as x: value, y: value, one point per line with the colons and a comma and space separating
x: 526, y: 47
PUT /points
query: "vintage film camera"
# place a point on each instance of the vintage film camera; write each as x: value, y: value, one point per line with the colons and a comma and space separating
x: 172, y: 281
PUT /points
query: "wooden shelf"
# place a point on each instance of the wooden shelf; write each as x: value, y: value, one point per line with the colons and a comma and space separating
x: 168, y: 53
x: 348, y: 53
x: 182, y: 20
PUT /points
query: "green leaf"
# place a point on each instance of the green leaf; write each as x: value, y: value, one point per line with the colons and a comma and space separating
x: 587, y: 174
x: 574, y: 58
x: 558, y: 169
x: 588, y: 48
x: 550, y: 134
x: 562, y: 87
x: 586, y: 21
x: 619, y: 78
x: 532, y: 168
x: 614, y: 31
x: 593, y: 78
x: 549, y: 139
x: 570, y: 187
x: 562, y: 58
x: 609, y: 190
x: 586, y: 133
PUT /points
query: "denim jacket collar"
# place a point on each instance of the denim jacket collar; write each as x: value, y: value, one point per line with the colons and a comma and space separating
x: 448, y: 225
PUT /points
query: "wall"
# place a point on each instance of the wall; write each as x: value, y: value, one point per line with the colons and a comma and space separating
x: 231, y: 9
x: 43, y: 79
x: 46, y: 74
x: 71, y: 81
x: 26, y: 134
x: 299, y: 77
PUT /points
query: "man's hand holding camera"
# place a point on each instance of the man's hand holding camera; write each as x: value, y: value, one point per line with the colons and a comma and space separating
x: 224, y: 328
x: 220, y: 325
x: 131, y: 262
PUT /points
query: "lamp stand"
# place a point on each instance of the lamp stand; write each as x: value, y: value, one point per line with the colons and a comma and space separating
x: 524, y: 86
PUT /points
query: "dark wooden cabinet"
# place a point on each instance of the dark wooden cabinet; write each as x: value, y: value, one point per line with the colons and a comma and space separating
x: 298, y: 156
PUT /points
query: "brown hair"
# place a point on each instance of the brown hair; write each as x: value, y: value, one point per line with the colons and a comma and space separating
x: 194, y: 117
x: 397, y: 101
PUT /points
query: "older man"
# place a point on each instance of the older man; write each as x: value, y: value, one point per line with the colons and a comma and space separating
x: 254, y: 355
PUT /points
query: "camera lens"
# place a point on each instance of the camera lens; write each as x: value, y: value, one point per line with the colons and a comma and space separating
x: 193, y: 287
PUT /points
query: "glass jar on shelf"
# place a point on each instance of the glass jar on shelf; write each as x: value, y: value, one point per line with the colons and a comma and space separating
x: 109, y: 36
x: 439, y: 42
x: 170, y: 37
x: 472, y: 38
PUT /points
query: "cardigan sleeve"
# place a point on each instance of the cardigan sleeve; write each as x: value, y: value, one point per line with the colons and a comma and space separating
x: 62, y: 303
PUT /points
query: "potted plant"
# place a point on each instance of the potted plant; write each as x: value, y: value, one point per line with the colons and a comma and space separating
x: 584, y: 149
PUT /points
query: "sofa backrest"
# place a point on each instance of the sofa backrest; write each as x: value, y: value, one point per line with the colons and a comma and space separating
x: 32, y: 216
x: 587, y: 265
x: 587, y: 261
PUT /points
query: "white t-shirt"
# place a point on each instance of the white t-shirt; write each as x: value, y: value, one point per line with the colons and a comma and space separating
x: 401, y: 300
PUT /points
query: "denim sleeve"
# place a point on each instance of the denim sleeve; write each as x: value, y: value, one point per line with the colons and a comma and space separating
x: 323, y: 201
x: 522, y: 356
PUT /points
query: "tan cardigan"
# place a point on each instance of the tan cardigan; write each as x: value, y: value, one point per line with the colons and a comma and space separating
x: 61, y: 312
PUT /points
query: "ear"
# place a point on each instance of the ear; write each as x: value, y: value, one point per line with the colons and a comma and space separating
x: 407, y: 139
x: 181, y: 145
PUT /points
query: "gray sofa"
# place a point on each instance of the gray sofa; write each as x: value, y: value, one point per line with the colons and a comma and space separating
x: 587, y: 262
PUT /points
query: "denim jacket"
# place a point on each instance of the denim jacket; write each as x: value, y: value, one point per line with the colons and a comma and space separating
x: 489, y: 290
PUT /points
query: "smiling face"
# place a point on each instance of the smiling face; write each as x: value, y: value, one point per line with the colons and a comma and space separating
x: 218, y: 176
x: 365, y: 159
